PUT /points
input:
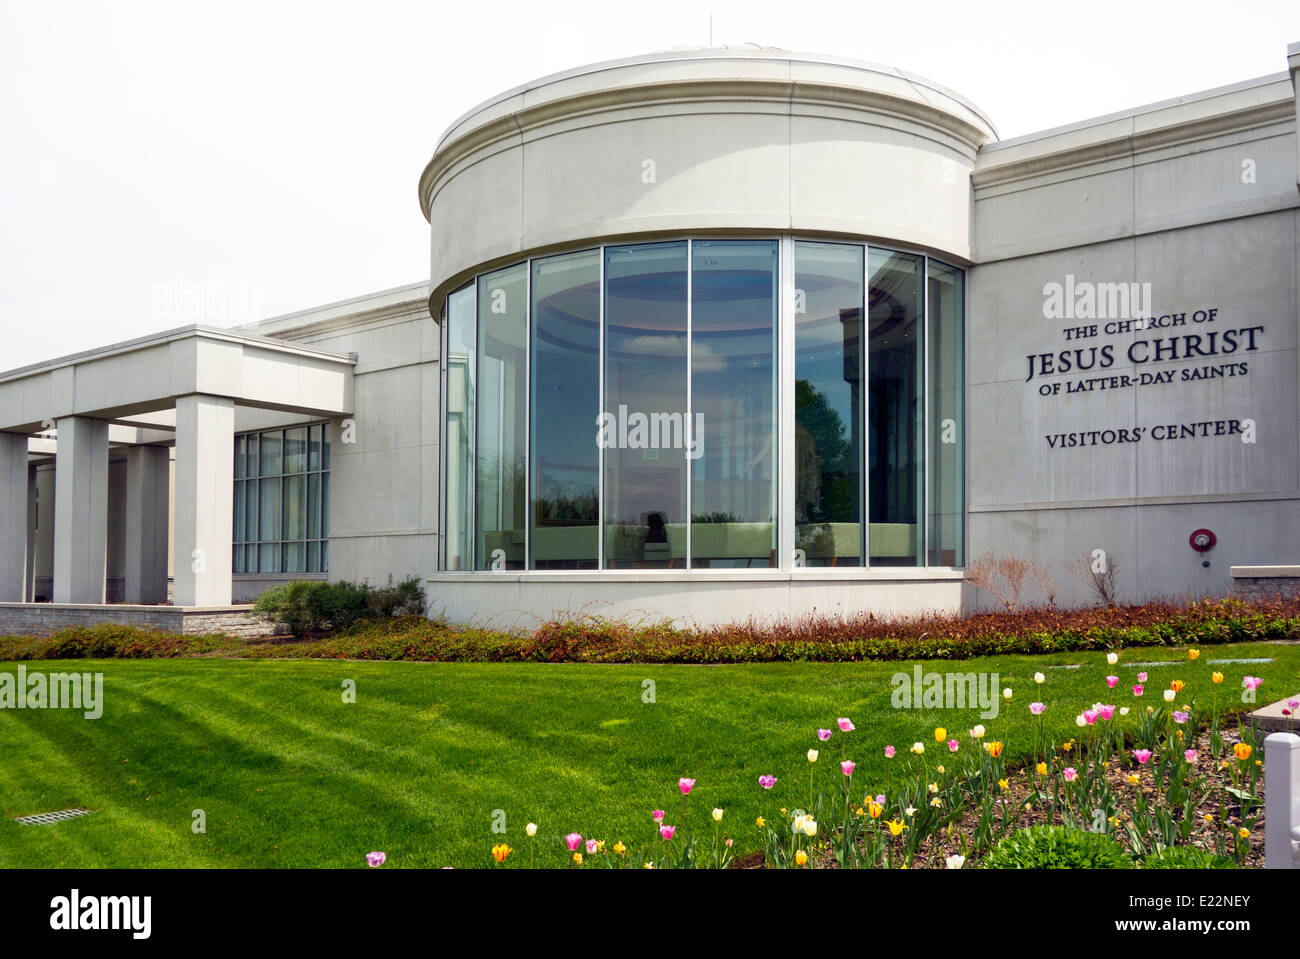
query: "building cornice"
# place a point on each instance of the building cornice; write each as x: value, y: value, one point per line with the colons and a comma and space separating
x: 795, y: 96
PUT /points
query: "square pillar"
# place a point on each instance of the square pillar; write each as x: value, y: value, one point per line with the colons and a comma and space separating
x: 13, y: 517
x: 29, y: 575
x: 148, y: 485
x: 205, y: 492
x: 80, y: 510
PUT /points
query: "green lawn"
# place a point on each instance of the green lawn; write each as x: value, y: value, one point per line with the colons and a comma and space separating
x: 290, y: 775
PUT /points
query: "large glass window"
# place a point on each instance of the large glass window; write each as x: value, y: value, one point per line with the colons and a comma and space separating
x: 458, y: 441
x: 731, y: 434
x: 621, y: 408
x: 947, y: 425
x: 501, y: 508
x: 895, y: 375
x: 643, y: 423
x: 282, y: 501
x: 828, y: 371
x: 565, y: 380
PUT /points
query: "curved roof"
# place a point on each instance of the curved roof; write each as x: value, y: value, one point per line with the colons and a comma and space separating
x: 729, y: 61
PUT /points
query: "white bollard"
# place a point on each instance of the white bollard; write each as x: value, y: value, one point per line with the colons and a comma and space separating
x: 1282, y: 801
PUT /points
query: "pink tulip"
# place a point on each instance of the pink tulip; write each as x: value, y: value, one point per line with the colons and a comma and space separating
x: 847, y: 767
x: 1037, y: 708
x: 1106, y: 712
x: 1070, y: 774
x: 592, y: 846
x: 667, y: 832
x: 1090, y: 716
x: 573, y: 841
x: 823, y: 734
x: 845, y: 725
x: 1190, y: 755
x: 1293, y: 703
x: 685, y: 785
x: 1142, y: 755
x: 880, y: 800
x: 375, y: 859
x: 1180, y: 718
x: 1111, y: 681
x: 1137, y: 690
x: 1252, y: 682
x: 889, y: 752
x: 1142, y: 677
x: 767, y: 782
x: 658, y: 815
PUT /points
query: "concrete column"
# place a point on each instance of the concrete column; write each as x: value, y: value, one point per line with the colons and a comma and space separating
x: 148, y: 483
x: 43, y: 563
x: 80, y: 510
x: 29, y: 573
x: 205, y: 474
x: 13, y: 517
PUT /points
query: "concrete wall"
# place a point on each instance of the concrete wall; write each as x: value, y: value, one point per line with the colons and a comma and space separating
x: 1196, y: 203
x: 730, y: 139
x: 22, y: 619
x: 384, y: 458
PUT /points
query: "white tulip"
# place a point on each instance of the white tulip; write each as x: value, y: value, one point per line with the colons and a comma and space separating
x: 812, y: 755
x: 955, y: 862
x: 1039, y: 678
x: 717, y: 815
x: 531, y: 829
x: 1112, y: 658
x: 1006, y: 693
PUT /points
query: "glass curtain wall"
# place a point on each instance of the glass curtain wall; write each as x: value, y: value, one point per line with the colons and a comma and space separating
x: 731, y: 439
x: 617, y: 408
x: 565, y: 381
x: 828, y: 396
x: 460, y: 369
x: 642, y: 428
x: 895, y: 379
x: 947, y: 427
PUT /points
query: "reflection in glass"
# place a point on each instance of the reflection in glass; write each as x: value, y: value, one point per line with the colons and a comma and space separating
x: 828, y: 403
x: 501, y: 510
x: 895, y: 379
x: 947, y: 417
x: 645, y: 400
x: 565, y: 403
x: 462, y: 345
x: 732, y: 436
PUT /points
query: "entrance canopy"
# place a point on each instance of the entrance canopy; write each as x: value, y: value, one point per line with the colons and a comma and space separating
x: 183, y: 388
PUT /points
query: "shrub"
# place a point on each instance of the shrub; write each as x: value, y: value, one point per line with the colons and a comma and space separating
x: 1187, y: 857
x: 303, y: 607
x: 1057, y: 847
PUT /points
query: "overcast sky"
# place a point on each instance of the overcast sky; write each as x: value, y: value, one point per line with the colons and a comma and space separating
x: 267, y: 153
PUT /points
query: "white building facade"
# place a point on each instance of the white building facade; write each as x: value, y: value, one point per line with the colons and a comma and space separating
x: 718, y: 334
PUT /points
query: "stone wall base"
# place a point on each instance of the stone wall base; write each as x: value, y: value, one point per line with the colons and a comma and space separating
x: 36, y: 619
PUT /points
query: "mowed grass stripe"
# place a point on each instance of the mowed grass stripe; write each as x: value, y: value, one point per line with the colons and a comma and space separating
x: 289, y: 775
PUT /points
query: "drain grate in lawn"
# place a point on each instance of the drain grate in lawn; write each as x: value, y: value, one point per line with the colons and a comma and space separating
x: 46, y: 818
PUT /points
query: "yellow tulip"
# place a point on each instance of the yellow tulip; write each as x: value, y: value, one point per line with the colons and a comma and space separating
x: 896, y: 827
x: 1242, y: 751
x: 1216, y: 678
x: 994, y: 748
x: 801, y: 858
x: 1042, y: 769
x: 875, y: 809
x: 1193, y: 654
x: 1003, y: 784
x: 500, y: 852
x: 619, y: 849
x: 940, y: 734
x: 1177, y: 685
x: 577, y: 858
x: 760, y: 822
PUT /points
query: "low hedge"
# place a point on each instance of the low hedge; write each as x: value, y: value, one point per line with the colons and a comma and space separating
x: 607, y: 641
